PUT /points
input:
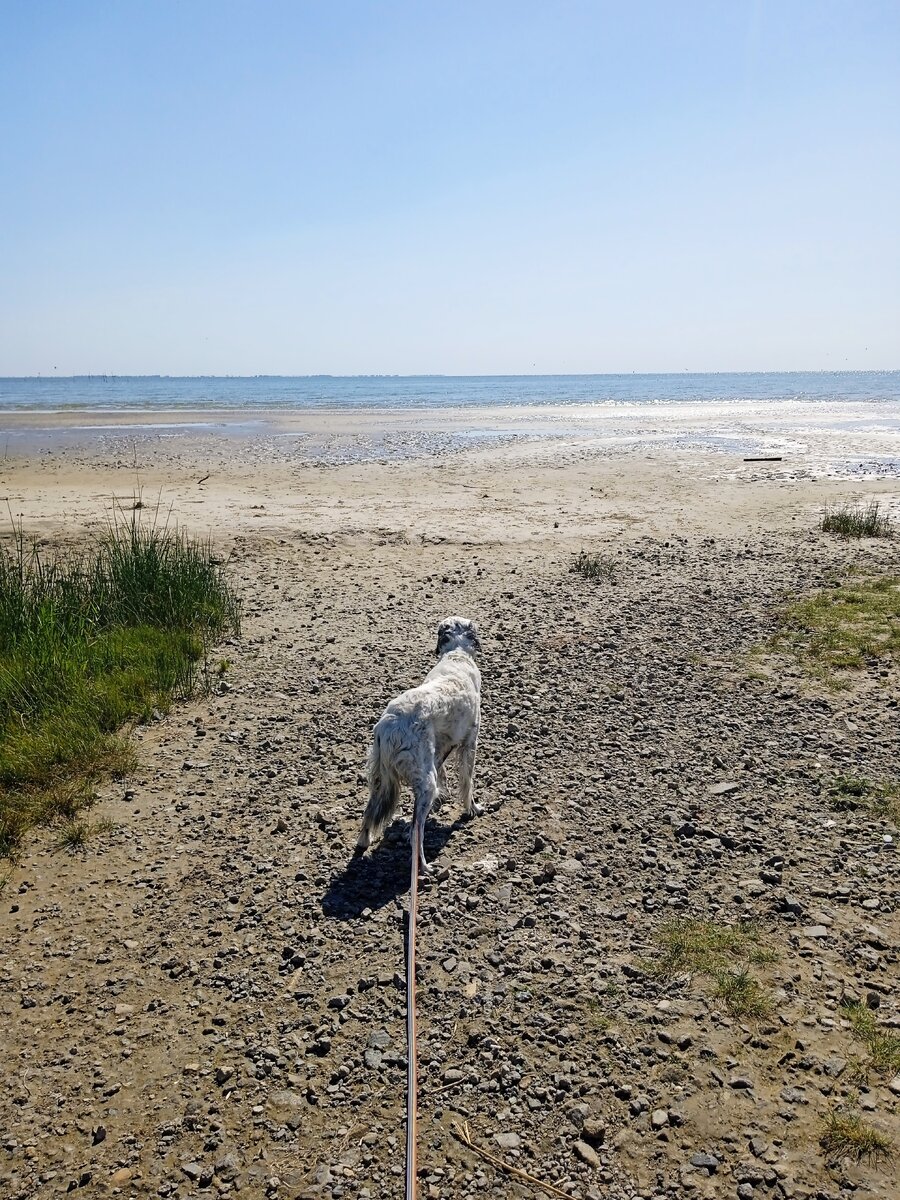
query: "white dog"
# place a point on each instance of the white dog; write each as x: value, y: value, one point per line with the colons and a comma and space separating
x: 419, y: 729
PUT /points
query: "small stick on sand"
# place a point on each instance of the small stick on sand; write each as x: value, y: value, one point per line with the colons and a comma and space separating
x: 462, y: 1132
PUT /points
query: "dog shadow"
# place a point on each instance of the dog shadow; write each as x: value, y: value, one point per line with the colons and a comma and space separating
x: 379, y: 876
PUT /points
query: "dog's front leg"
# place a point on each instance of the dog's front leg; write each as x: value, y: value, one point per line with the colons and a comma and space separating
x: 466, y: 766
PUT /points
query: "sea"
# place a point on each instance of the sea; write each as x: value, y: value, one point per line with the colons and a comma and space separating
x: 286, y: 393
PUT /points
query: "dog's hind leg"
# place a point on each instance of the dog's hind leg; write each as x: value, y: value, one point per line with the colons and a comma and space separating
x: 425, y: 791
x: 466, y: 768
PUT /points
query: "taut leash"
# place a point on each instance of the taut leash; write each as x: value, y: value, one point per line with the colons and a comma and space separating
x: 411, y: 1073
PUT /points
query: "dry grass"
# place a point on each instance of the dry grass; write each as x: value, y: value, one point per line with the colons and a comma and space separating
x: 853, y: 793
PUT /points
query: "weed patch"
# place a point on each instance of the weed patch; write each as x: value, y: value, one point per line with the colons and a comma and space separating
x: 857, y: 521
x: 90, y: 641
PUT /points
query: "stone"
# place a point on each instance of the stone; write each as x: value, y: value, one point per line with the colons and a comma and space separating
x: 587, y: 1154
x: 594, y: 1130
x: 659, y: 1118
x: 815, y: 931
x: 226, y: 1168
x: 708, y: 1162
x: 508, y: 1141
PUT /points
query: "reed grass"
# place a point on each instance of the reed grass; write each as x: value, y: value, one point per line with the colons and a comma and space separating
x: 90, y: 640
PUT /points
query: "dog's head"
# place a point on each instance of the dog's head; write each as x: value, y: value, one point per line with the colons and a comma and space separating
x: 457, y: 633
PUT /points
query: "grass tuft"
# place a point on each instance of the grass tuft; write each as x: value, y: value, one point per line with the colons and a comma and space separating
x: 75, y: 834
x: 91, y: 640
x: 883, y: 1046
x: 848, y: 1136
x: 599, y: 568
x: 857, y: 520
x: 691, y: 944
x: 743, y: 995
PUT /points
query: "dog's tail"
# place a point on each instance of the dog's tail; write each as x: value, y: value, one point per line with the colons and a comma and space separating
x: 384, y: 790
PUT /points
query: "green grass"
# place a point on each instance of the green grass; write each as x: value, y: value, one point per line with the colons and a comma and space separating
x: 883, y: 1046
x: 848, y: 1136
x: 742, y: 995
x: 690, y: 944
x: 599, y: 568
x: 857, y: 520
x: 851, y: 793
x: 90, y: 641
x: 722, y: 952
x: 844, y: 628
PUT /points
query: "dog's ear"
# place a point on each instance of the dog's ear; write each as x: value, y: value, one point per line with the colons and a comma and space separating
x: 472, y: 635
x: 445, y: 631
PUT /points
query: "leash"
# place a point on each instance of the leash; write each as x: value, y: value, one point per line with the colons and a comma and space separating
x: 411, y: 1073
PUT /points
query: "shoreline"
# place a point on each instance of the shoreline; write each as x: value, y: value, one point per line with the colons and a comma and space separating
x: 850, y: 441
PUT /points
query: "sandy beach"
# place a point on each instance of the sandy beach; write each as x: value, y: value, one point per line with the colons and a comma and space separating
x: 209, y: 999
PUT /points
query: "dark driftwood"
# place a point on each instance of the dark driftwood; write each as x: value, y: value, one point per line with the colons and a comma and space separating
x: 771, y: 458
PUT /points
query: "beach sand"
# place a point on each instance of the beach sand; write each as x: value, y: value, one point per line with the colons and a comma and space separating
x: 209, y: 999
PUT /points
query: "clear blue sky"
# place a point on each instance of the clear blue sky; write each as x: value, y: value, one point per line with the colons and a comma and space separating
x: 303, y: 187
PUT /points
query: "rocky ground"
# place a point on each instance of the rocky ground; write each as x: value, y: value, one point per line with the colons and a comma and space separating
x: 210, y: 999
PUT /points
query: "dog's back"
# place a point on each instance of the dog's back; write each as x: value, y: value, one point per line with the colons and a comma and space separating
x: 420, y: 727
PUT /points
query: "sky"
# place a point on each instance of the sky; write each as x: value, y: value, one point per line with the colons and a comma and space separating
x: 493, y: 187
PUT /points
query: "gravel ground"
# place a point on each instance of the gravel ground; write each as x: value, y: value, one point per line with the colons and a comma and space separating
x: 210, y: 999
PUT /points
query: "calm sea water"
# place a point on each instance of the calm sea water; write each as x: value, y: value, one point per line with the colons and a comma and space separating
x: 286, y: 393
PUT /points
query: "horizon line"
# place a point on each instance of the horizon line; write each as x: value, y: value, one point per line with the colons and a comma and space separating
x: 112, y: 375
